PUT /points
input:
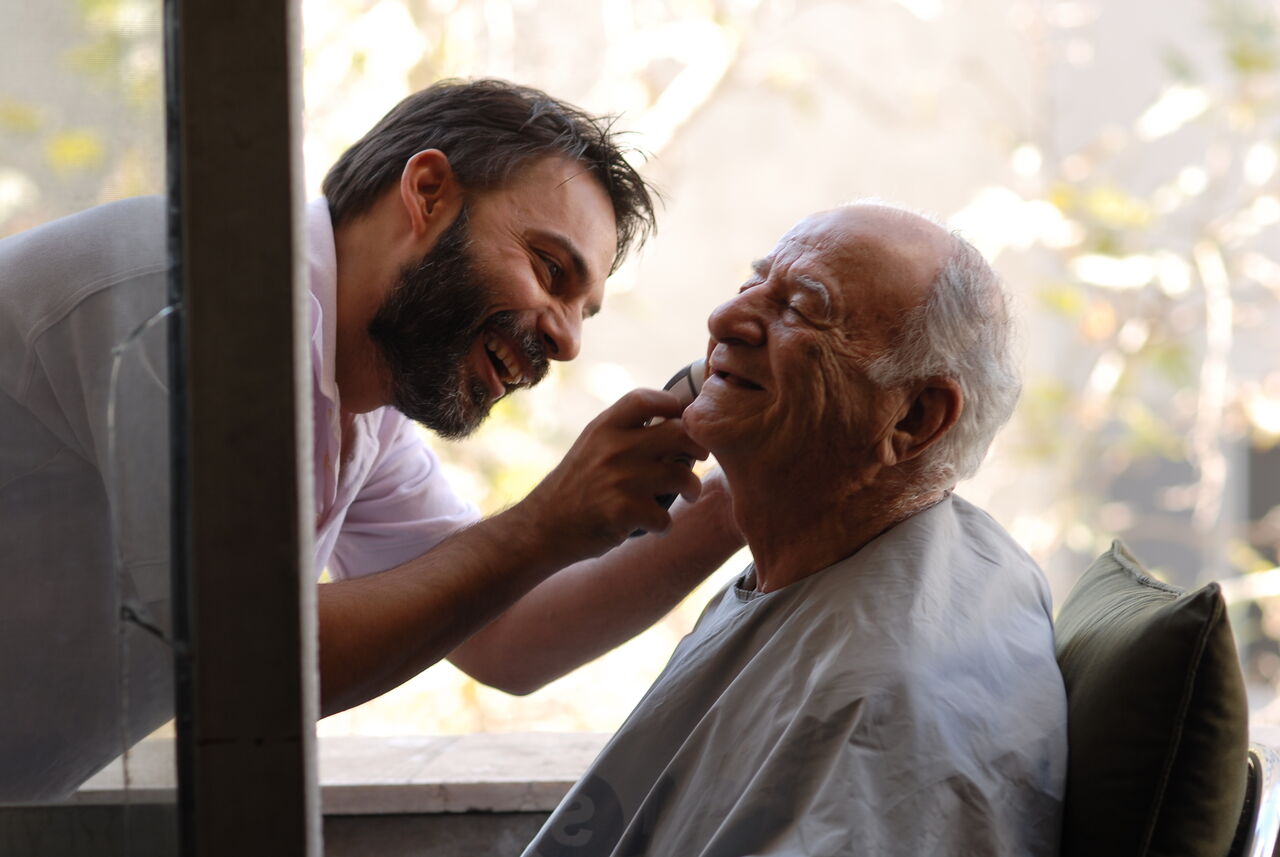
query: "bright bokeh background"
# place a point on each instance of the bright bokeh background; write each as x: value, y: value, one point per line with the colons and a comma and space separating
x: 1119, y: 167
x: 1116, y: 159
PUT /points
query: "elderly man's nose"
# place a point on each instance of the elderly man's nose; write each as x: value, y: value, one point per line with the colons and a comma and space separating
x: 561, y: 334
x: 736, y: 321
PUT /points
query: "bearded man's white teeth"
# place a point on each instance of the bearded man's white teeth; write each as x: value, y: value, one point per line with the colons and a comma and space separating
x: 500, y: 350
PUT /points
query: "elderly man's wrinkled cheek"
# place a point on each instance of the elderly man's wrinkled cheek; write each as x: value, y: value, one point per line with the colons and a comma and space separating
x: 830, y: 396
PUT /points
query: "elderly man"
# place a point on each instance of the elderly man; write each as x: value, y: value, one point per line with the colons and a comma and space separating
x: 881, y: 679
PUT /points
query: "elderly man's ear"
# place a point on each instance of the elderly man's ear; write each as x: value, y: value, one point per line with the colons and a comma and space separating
x: 929, y: 414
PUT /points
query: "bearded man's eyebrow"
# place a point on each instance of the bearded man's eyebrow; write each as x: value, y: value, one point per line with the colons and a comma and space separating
x: 577, y: 261
x: 761, y: 267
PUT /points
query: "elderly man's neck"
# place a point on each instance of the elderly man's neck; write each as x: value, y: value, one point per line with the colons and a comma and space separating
x: 794, y: 538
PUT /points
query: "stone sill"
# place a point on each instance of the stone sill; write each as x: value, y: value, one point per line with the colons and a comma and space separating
x: 515, y: 772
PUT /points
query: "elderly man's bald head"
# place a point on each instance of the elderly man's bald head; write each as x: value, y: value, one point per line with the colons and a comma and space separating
x: 903, y: 244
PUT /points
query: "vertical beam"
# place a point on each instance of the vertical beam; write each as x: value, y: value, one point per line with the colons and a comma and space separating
x: 247, y: 725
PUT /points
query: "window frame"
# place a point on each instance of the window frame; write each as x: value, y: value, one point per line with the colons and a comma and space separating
x: 244, y: 593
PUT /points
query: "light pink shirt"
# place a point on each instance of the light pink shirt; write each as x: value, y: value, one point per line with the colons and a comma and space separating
x: 390, y: 501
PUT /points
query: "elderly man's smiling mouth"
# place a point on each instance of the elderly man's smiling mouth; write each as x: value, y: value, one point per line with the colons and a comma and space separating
x: 719, y: 370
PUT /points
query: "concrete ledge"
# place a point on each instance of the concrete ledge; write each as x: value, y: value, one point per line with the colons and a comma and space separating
x: 469, y: 834
x: 417, y: 775
x: 520, y: 772
x: 149, y: 830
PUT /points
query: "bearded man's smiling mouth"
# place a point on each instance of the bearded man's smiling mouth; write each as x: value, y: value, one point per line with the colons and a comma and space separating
x: 509, y: 367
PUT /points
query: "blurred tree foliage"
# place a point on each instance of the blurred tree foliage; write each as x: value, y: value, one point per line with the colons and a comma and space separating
x: 1153, y: 242
x: 81, y: 119
x: 1167, y: 277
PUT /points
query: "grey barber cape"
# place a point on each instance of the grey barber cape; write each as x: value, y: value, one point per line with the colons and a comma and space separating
x: 902, y: 701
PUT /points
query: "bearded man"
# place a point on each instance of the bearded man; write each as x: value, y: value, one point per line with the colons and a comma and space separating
x: 457, y: 250
x: 881, y: 679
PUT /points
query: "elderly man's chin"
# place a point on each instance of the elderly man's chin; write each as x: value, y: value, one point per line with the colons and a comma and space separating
x: 708, y: 425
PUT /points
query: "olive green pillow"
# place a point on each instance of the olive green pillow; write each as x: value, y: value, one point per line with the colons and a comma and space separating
x: 1156, y: 713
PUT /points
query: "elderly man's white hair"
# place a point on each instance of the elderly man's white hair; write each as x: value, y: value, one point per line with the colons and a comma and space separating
x: 962, y: 331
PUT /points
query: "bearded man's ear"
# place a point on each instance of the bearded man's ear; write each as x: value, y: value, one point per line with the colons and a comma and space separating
x: 430, y: 193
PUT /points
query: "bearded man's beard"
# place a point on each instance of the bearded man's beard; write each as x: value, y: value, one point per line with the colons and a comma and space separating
x: 425, y: 330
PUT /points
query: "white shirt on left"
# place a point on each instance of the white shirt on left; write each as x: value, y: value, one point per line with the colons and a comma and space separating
x: 81, y: 345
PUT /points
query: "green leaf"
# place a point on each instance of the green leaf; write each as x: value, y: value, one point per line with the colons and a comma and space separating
x: 1112, y: 206
x: 75, y: 151
x: 19, y: 118
x: 1063, y: 299
x: 1172, y: 360
x: 1178, y: 64
x: 1250, y: 34
x: 1149, y: 433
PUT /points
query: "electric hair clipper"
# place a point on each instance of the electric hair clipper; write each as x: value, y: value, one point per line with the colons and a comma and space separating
x: 685, y: 384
